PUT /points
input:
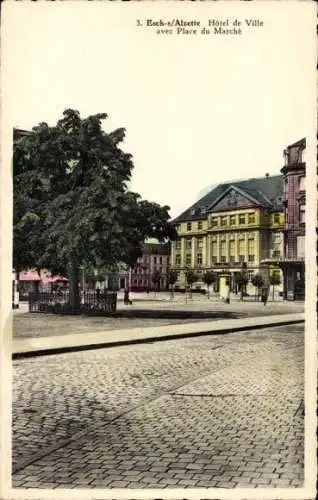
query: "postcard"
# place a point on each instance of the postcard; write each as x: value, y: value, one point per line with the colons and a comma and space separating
x: 158, y: 250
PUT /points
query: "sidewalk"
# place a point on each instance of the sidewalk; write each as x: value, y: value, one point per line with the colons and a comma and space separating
x: 75, y: 342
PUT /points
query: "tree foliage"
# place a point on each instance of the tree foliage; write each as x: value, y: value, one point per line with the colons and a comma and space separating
x: 72, y: 206
x: 258, y: 281
x: 209, y: 278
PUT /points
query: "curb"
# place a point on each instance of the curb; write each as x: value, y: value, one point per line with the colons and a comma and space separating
x: 147, y: 340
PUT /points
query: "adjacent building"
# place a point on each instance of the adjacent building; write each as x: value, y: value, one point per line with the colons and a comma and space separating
x: 151, y: 269
x: 236, y: 225
x: 292, y: 262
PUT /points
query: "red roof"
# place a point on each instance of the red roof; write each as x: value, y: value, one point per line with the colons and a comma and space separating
x: 44, y: 277
x: 29, y: 276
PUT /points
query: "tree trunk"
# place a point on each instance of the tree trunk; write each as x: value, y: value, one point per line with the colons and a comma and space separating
x: 273, y: 293
x: 208, y: 292
x: 74, y: 277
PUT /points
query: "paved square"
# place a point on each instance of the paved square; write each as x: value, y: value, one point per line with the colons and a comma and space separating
x: 216, y: 411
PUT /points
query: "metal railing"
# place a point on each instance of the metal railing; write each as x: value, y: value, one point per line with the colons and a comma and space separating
x: 96, y: 303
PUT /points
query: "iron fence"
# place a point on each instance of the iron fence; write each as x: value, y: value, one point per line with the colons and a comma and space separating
x: 96, y: 303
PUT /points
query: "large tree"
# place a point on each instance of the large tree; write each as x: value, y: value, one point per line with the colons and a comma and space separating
x: 72, y: 206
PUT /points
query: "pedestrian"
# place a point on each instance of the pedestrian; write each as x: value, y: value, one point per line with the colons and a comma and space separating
x: 264, y: 295
x: 127, y: 300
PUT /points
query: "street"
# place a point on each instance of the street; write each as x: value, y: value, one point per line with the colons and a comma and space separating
x: 214, y: 411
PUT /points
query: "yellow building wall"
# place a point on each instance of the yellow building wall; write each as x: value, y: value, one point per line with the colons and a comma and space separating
x: 257, y: 226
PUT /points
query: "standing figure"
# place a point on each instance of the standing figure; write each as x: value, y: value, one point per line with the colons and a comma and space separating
x: 127, y: 300
x: 264, y: 295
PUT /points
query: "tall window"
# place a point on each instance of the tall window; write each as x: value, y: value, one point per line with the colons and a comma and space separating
x: 199, y: 259
x: 302, y: 186
x: 160, y: 260
x: 302, y: 214
x: 214, y: 221
x: 223, y: 251
x: 223, y: 221
x: 188, y: 259
x: 232, y: 220
x: 214, y: 248
x: 250, y: 246
x: 178, y: 244
x: 155, y: 260
x: 200, y: 224
x: 232, y: 250
x: 188, y: 244
x: 178, y: 260
x: 241, y: 247
x: 189, y: 226
x: 200, y: 242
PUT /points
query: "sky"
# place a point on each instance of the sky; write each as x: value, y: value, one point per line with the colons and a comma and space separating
x: 198, y: 110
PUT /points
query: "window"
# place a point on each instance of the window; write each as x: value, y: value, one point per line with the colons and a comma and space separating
x: 189, y: 226
x: 301, y: 247
x: 302, y: 214
x: 223, y: 221
x: 232, y: 258
x: 241, y: 258
x: 250, y: 246
x: 200, y: 242
x: 223, y: 258
x: 135, y: 282
x: 178, y: 260
x: 214, y: 221
x: 178, y: 244
x: 232, y: 248
x: 188, y: 259
x: 232, y: 220
x: 199, y: 259
x: 223, y: 248
x: 276, y: 218
x: 276, y: 254
x: 140, y: 282
x: 200, y: 224
x: 251, y: 218
x: 302, y: 186
x: 160, y: 260
x: 188, y: 244
x: 241, y: 247
x: 251, y: 258
x: 155, y: 260
x: 214, y: 259
x: 241, y: 219
x: 214, y: 248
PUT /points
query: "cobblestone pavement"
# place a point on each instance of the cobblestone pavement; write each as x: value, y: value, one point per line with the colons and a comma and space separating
x: 216, y: 411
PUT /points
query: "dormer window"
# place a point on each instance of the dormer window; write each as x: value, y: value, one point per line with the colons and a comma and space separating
x: 189, y: 226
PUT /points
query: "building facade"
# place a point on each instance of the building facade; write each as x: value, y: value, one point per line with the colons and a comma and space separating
x: 293, y: 261
x: 236, y: 225
x: 151, y: 269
